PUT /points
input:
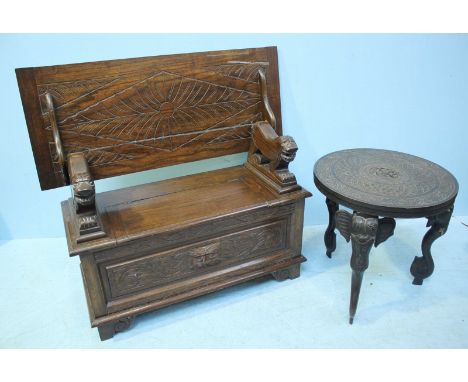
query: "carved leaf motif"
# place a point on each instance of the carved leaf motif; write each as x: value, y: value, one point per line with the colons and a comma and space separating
x: 235, y: 134
x: 162, y: 105
x: 72, y: 90
x: 163, y: 112
x: 247, y: 71
x: 100, y: 156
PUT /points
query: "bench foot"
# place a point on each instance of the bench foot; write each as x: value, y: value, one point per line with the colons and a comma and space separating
x: 292, y: 272
x: 107, y: 331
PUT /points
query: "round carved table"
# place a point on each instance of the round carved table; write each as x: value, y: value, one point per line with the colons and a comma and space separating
x: 380, y: 185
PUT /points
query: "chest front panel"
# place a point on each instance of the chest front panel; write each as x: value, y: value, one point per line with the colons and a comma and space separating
x: 136, y: 273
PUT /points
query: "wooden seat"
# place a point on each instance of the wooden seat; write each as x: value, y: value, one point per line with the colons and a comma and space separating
x: 152, y: 245
x: 149, y: 209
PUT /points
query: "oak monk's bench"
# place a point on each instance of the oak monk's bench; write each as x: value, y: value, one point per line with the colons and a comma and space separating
x: 153, y: 245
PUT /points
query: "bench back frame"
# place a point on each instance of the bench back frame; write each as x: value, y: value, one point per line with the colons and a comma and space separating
x: 137, y: 114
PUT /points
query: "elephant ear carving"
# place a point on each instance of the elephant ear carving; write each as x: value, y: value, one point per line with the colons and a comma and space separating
x: 386, y: 227
x: 343, y: 220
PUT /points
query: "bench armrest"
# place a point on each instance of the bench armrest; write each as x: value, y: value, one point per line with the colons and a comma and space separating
x: 87, y: 221
x: 279, y: 150
x: 84, y: 192
x: 270, y: 155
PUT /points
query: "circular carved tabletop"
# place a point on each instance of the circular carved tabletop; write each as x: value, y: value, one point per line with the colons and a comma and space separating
x: 385, y: 183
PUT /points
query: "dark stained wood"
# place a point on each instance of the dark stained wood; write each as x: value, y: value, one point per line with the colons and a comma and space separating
x: 385, y: 229
x: 362, y: 231
x: 383, y: 183
x: 138, y: 114
x: 153, y: 245
x: 330, y: 235
x: 422, y: 267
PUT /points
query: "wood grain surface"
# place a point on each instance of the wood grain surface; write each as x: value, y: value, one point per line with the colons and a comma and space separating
x: 138, y: 114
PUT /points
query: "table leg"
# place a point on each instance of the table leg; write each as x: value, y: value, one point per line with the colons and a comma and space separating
x: 363, y: 233
x: 362, y: 230
x: 422, y: 267
x: 330, y: 236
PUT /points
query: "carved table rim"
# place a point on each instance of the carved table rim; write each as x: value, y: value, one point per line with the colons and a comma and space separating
x: 382, y: 210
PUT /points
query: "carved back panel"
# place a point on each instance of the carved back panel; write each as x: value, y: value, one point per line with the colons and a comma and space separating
x: 138, y: 114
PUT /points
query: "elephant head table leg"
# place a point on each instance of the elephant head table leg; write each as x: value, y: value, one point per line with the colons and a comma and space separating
x: 363, y: 231
x: 330, y: 236
x: 422, y: 267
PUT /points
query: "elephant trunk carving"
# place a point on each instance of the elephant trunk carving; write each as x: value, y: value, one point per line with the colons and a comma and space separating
x: 363, y: 231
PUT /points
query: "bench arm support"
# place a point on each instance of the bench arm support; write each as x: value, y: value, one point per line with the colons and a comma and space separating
x: 270, y: 155
x: 87, y: 221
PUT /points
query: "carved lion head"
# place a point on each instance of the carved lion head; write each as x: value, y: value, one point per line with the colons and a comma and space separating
x: 83, y: 190
x: 288, y: 149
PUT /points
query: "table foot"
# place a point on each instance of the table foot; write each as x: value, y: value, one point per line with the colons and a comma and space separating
x: 423, y: 267
x: 330, y: 236
x: 356, y: 282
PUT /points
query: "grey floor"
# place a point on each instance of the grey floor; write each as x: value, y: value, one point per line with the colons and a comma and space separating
x: 43, y: 305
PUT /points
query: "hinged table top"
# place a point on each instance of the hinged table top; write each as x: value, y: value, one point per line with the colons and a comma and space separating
x: 138, y: 114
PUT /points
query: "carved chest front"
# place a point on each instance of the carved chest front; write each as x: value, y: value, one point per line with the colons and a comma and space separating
x: 183, y: 238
